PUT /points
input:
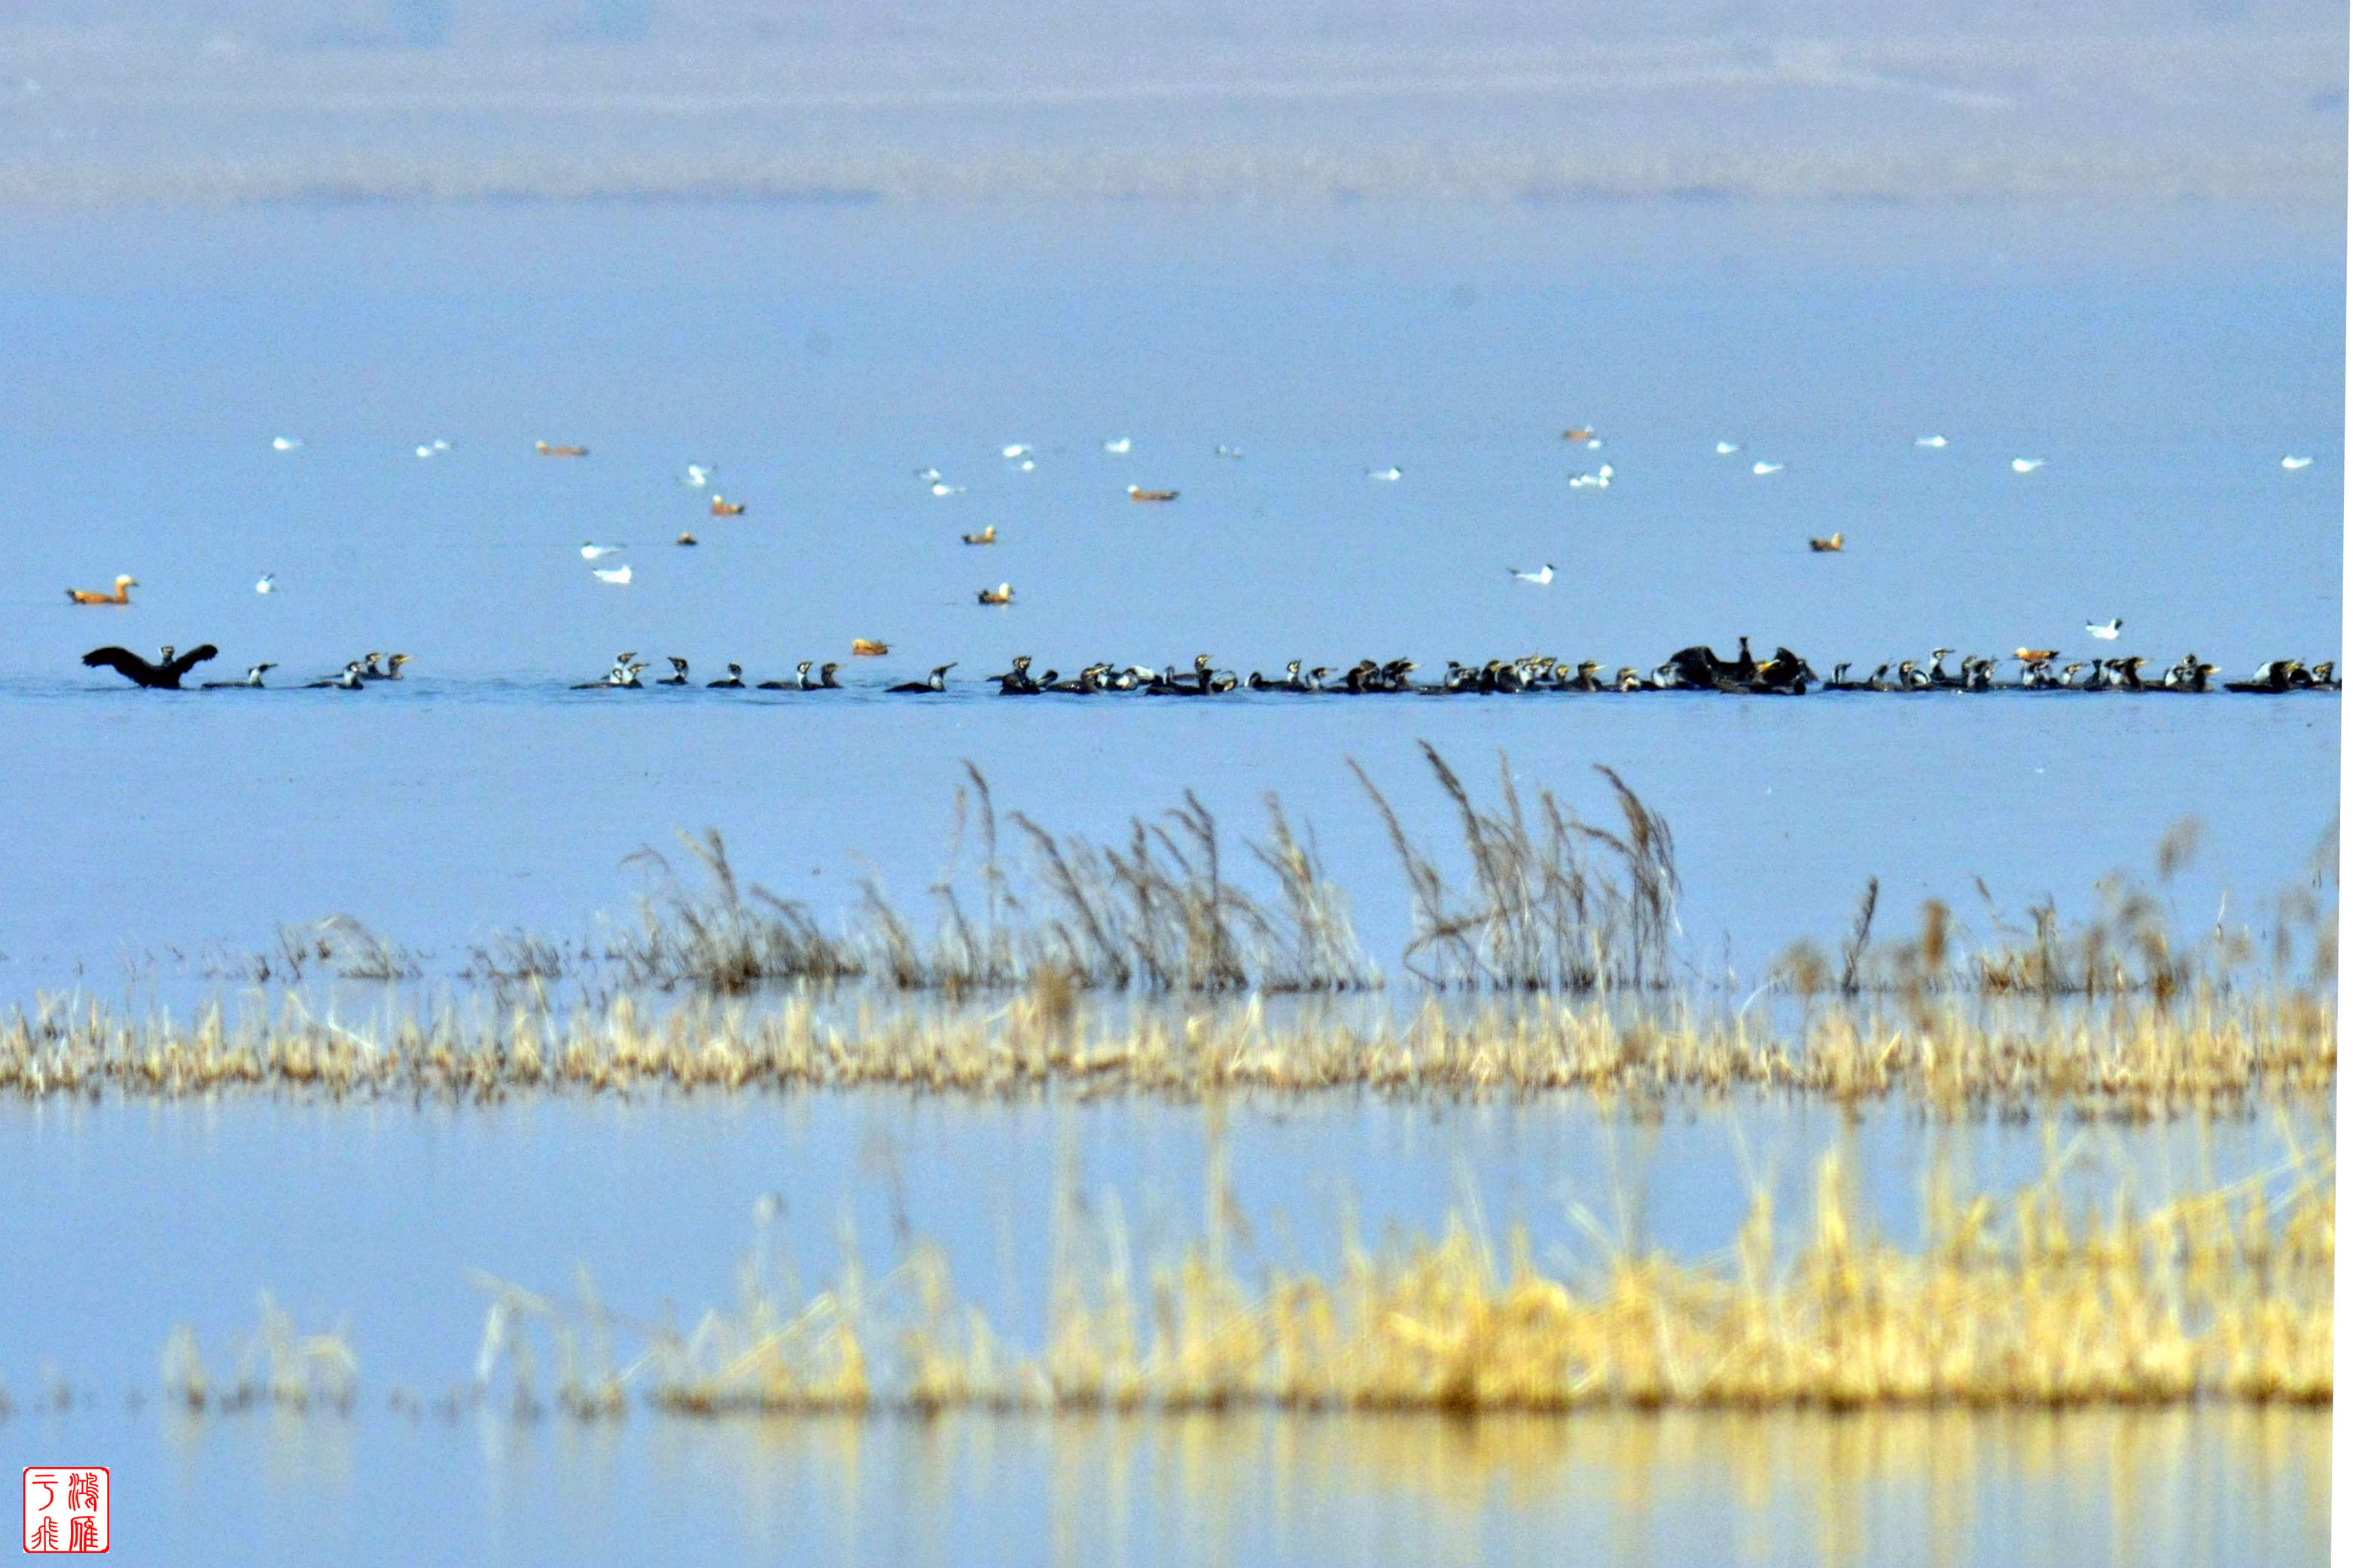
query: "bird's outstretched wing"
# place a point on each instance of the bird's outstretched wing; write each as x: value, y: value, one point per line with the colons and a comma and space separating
x: 122, y: 659
x: 190, y: 659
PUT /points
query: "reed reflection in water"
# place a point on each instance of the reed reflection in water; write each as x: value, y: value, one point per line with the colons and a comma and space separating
x: 2185, y: 1485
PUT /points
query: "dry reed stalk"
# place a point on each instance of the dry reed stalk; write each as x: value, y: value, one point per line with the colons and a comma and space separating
x: 275, y: 1366
x: 2131, y: 947
x: 2127, y: 1057
x: 1159, y: 915
x: 2217, y: 1296
x: 1539, y: 915
x: 1551, y: 903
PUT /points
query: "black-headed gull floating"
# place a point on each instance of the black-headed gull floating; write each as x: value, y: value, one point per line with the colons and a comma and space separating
x: 942, y: 488
x: 286, y: 443
x: 267, y: 584
x: 1387, y: 476
x: 1725, y: 448
x: 1017, y: 449
x: 1761, y: 467
x: 2025, y: 465
x: 1933, y: 442
x: 618, y: 576
x: 929, y: 476
x: 1120, y: 447
x: 597, y: 552
x: 2107, y: 632
x: 1541, y: 579
x: 698, y: 475
x: 2293, y: 463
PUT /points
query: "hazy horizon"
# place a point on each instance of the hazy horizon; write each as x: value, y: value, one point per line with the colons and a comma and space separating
x: 174, y: 101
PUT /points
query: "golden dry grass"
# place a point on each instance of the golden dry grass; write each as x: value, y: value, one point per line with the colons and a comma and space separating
x: 2129, y: 1057
x: 2218, y: 1296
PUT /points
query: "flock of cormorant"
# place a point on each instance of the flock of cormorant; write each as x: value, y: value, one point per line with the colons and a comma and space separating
x: 1694, y: 668
x: 171, y: 666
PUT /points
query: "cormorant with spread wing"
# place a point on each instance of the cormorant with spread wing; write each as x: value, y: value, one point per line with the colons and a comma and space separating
x: 160, y: 677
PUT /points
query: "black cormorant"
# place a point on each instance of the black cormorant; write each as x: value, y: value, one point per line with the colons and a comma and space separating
x: 938, y: 681
x: 162, y: 675
x: 350, y: 680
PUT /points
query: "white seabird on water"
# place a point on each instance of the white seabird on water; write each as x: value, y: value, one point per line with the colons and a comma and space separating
x: 618, y: 576
x: 432, y: 448
x: 929, y: 476
x: 1541, y: 579
x: 2025, y: 465
x: 698, y: 475
x: 1725, y: 448
x: 2295, y: 463
x: 1597, y: 481
x: 597, y: 552
x: 1121, y: 447
x: 1932, y: 441
x: 1387, y: 476
x: 2107, y: 632
x: 942, y: 488
x: 286, y: 443
x: 269, y: 583
x: 1761, y: 467
x: 1017, y: 450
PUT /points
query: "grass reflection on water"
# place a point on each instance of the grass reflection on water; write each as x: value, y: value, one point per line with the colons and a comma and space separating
x: 2180, y: 1485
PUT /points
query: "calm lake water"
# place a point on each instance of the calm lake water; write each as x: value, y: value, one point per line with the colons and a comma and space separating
x: 817, y: 356
x: 370, y: 1218
x: 2161, y: 361
x: 204, y: 1204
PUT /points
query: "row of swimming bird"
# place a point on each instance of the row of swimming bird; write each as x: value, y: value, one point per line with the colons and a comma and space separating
x: 170, y: 668
x: 628, y: 672
x: 1694, y: 668
x: 2041, y: 671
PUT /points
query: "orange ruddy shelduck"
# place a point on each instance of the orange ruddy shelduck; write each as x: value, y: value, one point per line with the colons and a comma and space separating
x: 985, y: 536
x: 1001, y: 595
x: 867, y: 647
x: 122, y: 594
x: 721, y: 507
x: 547, y: 451
x: 1835, y: 541
x: 1135, y: 494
